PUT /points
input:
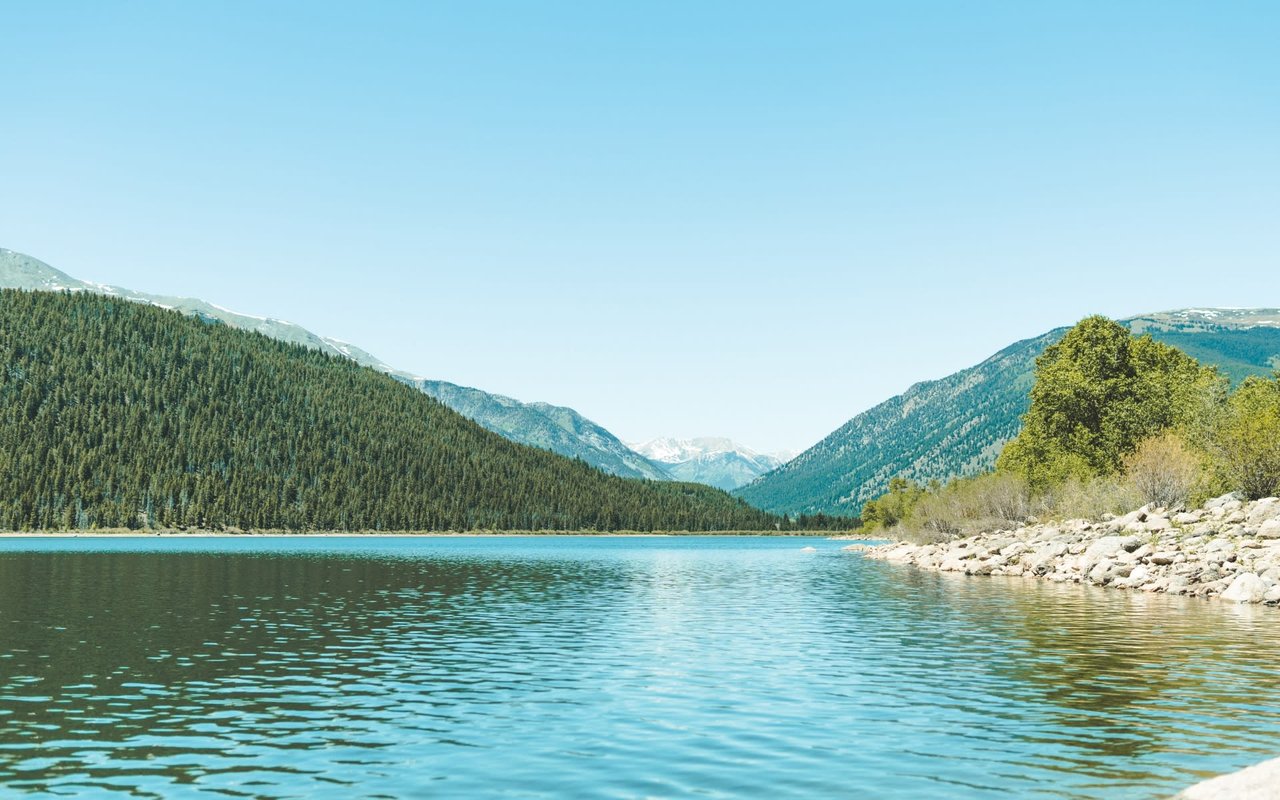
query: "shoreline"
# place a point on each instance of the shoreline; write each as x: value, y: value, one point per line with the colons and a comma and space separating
x: 1229, y: 549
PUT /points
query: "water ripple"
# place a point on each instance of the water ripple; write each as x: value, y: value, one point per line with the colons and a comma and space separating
x: 552, y: 667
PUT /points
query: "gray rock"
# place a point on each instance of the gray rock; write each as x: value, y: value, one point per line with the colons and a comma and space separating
x: 1270, y: 529
x: 1219, y: 502
x: 1246, y: 588
x: 1108, y: 546
x: 1265, y: 509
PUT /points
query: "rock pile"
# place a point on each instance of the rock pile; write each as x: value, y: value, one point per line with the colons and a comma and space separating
x: 1230, y: 549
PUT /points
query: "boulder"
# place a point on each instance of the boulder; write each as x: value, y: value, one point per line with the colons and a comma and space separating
x: 1219, y: 502
x: 1109, y: 546
x: 1270, y: 529
x: 1132, y: 518
x: 1156, y: 524
x: 1259, y: 782
x: 1265, y: 509
x: 1246, y: 588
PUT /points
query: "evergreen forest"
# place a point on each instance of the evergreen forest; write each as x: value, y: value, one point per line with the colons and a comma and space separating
x: 120, y: 415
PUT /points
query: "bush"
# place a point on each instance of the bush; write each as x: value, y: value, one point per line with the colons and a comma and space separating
x: 966, y: 505
x: 892, y: 507
x: 1246, y: 439
x: 1163, y: 470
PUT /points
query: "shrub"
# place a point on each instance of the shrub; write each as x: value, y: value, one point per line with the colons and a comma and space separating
x: 892, y: 507
x: 1246, y: 439
x: 1163, y: 470
x: 1089, y: 498
x: 965, y: 505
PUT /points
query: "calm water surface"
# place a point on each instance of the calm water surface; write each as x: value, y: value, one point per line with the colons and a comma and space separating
x: 603, y: 667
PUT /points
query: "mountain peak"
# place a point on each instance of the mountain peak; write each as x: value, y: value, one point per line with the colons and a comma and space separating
x: 21, y: 271
x: 1205, y: 318
x: 716, y: 460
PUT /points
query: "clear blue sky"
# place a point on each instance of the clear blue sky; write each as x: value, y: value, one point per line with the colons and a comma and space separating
x: 687, y: 218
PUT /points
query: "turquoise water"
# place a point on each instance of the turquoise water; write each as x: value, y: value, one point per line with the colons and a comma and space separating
x: 603, y: 667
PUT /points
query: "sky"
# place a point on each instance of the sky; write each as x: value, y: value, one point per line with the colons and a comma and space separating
x: 737, y: 219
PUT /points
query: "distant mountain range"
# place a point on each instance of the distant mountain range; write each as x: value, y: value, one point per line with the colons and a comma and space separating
x: 715, y: 461
x: 937, y: 430
x: 555, y: 428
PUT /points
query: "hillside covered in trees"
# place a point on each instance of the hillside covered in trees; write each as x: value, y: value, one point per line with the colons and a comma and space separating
x: 114, y: 414
x: 957, y: 426
x: 1116, y: 421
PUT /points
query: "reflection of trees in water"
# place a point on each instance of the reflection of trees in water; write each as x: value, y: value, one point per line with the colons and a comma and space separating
x: 1127, y: 671
x: 108, y: 646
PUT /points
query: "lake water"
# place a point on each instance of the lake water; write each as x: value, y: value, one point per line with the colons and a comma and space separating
x: 480, y: 667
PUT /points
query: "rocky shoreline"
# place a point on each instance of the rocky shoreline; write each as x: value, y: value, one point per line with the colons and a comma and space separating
x: 1230, y: 549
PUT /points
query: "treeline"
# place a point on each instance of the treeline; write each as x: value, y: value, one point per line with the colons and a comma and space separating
x: 1115, y: 421
x: 119, y: 415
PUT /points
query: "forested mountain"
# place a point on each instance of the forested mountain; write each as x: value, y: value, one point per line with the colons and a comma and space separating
x: 556, y: 428
x: 715, y: 461
x: 956, y: 426
x: 114, y: 413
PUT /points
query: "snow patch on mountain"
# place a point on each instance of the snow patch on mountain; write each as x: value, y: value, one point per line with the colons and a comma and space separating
x: 714, y: 460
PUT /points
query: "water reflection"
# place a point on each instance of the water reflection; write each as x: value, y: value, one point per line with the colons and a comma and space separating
x: 612, y: 668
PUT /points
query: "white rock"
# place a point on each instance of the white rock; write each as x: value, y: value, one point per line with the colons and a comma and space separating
x: 1246, y: 588
x: 1269, y: 529
x: 1155, y: 523
x: 1264, y: 509
x: 1259, y: 782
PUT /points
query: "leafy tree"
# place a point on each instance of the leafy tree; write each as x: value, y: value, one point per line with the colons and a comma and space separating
x: 1099, y: 392
x: 1246, y: 438
x: 894, y: 506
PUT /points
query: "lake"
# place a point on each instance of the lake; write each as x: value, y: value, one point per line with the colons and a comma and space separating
x: 379, y: 667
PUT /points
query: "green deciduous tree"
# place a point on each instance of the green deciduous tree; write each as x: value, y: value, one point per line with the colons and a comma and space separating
x: 1245, y: 440
x: 1099, y: 392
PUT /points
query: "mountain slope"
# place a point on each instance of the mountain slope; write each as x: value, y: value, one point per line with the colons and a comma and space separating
x: 957, y: 425
x: 116, y: 413
x: 714, y: 461
x: 561, y: 430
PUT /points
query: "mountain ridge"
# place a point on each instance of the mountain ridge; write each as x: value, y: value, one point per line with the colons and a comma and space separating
x: 956, y: 425
x: 713, y: 460
x: 118, y: 414
x: 556, y: 428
